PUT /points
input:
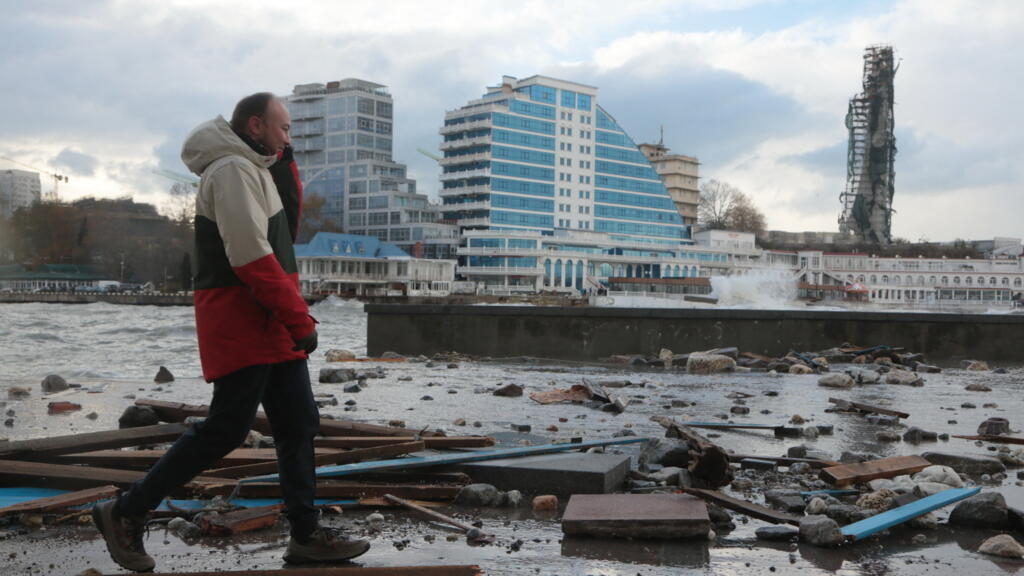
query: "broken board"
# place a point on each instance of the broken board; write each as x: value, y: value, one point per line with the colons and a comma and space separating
x: 885, y: 520
x: 847, y: 405
x: 636, y: 516
x: 346, y: 571
x: 846, y: 474
x: 744, y: 507
x: 993, y: 438
x: 457, y: 458
x: 61, y: 501
x: 87, y: 441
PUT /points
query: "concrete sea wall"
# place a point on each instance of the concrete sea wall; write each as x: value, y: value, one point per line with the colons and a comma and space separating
x: 592, y: 333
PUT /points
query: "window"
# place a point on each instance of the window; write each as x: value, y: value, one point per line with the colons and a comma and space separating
x: 357, y: 203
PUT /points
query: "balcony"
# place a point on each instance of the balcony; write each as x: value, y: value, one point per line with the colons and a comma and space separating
x: 518, y: 271
x: 451, y: 161
x: 458, y: 112
x: 478, y: 173
x: 467, y: 222
x: 467, y: 206
x: 465, y: 127
x: 463, y: 191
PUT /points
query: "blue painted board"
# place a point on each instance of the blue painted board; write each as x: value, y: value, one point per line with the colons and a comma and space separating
x: 444, y: 459
x: 17, y: 495
x: 879, y: 522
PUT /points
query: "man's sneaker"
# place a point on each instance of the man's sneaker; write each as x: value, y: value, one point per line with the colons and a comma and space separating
x: 325, y: 545
x: 124, y: 537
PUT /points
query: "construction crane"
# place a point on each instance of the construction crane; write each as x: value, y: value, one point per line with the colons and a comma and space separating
x: 182, y: 178
x: 54, y: 194
x: 430, y: 155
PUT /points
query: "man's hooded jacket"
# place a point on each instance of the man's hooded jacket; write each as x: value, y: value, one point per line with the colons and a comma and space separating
x: 247, y: 303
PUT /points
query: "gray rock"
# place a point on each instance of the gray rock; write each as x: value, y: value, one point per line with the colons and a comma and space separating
x: 816, y: 506
x: 512, y: 499
x: 854, y: 457
x: 994, y: 426
x: 862, y: 376
x: 509, y: 391
x: 836, y: 380
x: 329, y: 375
x: 985, y: 510
x: 1002, y: 545
x: 668, y: 475
x: 941, y: 474
x: 391, y: 355
x: 977, y: 387
x: 787, y: 500
x: 966, y: 464
x: 163, y: 375
x: 352, y: 387
x: 666, y: 452
x: 887, y: 436
x: 739, y: 410
x: 882, y: 419
x: 780, y: 533
x: 847, y: 513
x: 719, y: 516
x: 800, y: 468
x: 916, y: 435
x: 709, y: 364
x: 904, y: 378
x: 479, y: 495
x: 17, y: 392
x: 927, y: 368
x: 54, y: 383
x: 136, y: 416
x: 338, y: 355
x: 820, y: 531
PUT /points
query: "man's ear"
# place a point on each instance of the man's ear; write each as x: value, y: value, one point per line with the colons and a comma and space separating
x: 254, y: 126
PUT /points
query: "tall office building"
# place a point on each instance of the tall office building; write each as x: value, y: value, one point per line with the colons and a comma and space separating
x: 541, y: 154
x: 342, y: 136
x: 18, y: 189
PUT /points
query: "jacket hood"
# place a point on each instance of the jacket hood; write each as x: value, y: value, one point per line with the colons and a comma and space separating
x: 213, y: 140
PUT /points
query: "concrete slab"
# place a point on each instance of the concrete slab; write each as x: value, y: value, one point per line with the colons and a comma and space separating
x: 636, y: 516
x: 560, y: 474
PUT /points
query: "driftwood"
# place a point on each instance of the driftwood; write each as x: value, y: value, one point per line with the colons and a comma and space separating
x: 857, y: 406
x: 709, y: 463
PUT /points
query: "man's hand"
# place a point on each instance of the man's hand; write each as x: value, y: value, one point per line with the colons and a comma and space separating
x: 306, y: 344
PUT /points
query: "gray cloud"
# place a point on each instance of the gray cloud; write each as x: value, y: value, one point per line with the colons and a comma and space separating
x: 78, y: 163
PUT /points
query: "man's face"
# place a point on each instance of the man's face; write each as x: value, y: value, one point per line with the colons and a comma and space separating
x: 272, y: 130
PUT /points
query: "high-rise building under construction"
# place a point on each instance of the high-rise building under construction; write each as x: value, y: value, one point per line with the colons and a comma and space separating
x: 870, y: 173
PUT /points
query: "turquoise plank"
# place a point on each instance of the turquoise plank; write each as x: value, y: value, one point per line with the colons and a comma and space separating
x: 879, y: 522
x: 12, y: 496
x: 442, y: 459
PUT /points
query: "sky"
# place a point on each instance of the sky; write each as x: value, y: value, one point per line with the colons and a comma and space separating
x: 757, y: 90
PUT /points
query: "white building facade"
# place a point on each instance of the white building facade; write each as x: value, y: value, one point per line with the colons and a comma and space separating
x: 18, y: 189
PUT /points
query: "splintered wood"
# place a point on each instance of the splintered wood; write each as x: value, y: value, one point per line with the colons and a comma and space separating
x: 846, y: 474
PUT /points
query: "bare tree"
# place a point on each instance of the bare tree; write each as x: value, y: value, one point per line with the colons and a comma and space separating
x: 182, y: 205
x: 724, y: 206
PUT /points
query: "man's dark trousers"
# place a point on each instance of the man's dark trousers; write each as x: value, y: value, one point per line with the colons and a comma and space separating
x: 287, y: 397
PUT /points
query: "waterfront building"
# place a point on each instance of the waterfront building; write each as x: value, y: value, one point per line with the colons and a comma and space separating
x: 352, y: 265
x: 342, y: 136
x: 681, y: 176
x: 18, y: 189
x: 540, y: 154
x: 47, y: 277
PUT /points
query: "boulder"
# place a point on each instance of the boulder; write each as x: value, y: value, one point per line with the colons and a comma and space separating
x: 1002, y: 545
x: 994, y: 426
x: 976, y: 365
x: 966, y: 464
x: 17, y: 393
x: 780, y: 533
x: 777, y: 367
x: 847, y: 513
x: 509, y: 391
x: 977, y: 387
x: 54, y: 383
x: 887, y: 436
x: 800, y: 369
x: 479, y: 495
x: 136, y: 416
x: 352, y: 387
x: 329, y: 375
x: 941, y: 474
x: 786, y: 500
x: 862, y: 376
x: 836, y: 380
x: 339, y: 355
x: 664, y: 452
x: 816, y: 506
x: 739, y: 409
x: 666, y: 355
x: 924, y: 489
x: 915, y: 435
x: 730, y: 351
x: 545, y: 503
x: 926, y: 368
x: 903, y: 378
x: 820, y: 531
x: 985, y: 510
x: 709, y: 364
x: 163, y: 375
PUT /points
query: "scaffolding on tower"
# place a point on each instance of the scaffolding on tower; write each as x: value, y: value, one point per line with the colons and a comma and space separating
x: 871, y: 153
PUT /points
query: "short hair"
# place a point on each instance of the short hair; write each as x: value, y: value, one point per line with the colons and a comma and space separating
x: 252, y: 105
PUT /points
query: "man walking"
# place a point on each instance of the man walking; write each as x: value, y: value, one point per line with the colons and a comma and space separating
x: 255, y: 335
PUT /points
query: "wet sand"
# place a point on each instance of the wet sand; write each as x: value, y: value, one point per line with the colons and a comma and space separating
x: 464, y: 392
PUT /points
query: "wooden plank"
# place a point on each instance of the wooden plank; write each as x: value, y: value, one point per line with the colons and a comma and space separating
x: 709, y: 462
x: 143, y: 459
x: 177, y: 412
x: 473, y: 534
x: 846, y: 474
x: 450, y: 570
x: 47, y: 475
x: 848, y: 405
x: 238, y: 521
x: 84, y: 442
x: 888, y: 519
x: 61, y: 501
x: 445, y: 459
x: 339, y: 457
x: 993, y: 438
x: 814, y: 462
x: 744, y: 507
x: 778, y: 430
x: 336, y: 489
x: 431, y: 442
